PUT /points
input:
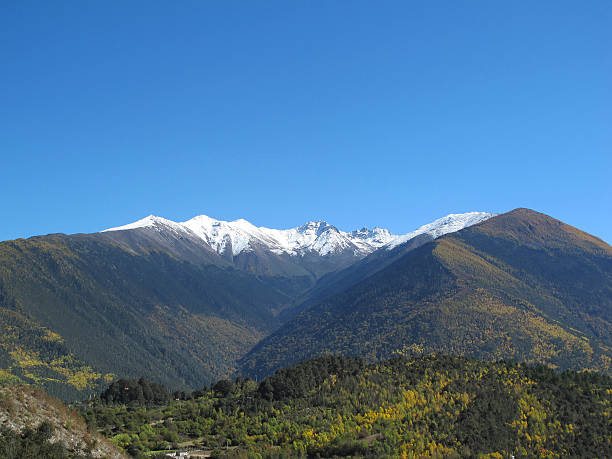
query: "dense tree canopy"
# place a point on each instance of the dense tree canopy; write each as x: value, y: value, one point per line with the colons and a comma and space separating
x: 141, y: 391
x: 432, y: 406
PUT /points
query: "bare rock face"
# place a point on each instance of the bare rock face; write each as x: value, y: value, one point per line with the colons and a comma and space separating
x: 24, y: 406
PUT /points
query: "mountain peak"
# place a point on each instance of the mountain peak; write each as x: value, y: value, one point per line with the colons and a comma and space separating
x: 442, y: 226
x: 316, y: 236
x: 148, y: 221
x: 533, y: 228
x: 317, y: 227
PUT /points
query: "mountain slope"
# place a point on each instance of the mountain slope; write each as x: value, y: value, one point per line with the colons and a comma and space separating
x: 337, y: 281
x: 148, y: 314
x: 23, y: 408
x: 160, y: 299
x: 308, y: 252
x: 520, y: 285
x: 297, y: 256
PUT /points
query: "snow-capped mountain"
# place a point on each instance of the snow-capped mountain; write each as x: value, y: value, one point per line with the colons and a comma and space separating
x: 318, y: 237
x: 240, y: 236
x: 442, y: 226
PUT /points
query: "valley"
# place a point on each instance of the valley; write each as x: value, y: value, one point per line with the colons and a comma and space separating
x: 178, y: 303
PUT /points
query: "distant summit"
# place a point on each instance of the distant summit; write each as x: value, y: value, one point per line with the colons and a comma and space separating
x: 315, y: 237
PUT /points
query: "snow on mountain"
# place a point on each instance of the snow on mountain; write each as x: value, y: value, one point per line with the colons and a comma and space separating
x: 319, y: 237
x: 442, y: 226
x: 378, y: 237
x: 239, y: 234
x: 151, y: 222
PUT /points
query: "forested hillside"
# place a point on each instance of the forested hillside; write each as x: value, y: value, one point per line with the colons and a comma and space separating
x: 338, y: 281
x: 77, y: 308
x: 432, y: 406
x: 36, y: 355
x: 519, y: 286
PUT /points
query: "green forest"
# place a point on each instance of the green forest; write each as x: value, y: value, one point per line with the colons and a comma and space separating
x: 150, y: 314
x: 425, y: 406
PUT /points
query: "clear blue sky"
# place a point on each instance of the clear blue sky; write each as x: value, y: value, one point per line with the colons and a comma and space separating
x: 359, y: 113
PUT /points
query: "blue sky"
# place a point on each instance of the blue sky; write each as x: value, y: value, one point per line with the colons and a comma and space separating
x: 359, y: 113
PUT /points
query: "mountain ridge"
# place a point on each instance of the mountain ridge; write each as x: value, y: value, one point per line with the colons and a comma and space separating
x: 520, y: 285
x: 171, y: 305
x: 239, y: 235
x: 317, y: 236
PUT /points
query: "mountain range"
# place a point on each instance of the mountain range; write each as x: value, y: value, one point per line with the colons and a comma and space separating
x: 312, y: 249
x: 233, y: 238
x: 188, y: 303
x: 519, y: 286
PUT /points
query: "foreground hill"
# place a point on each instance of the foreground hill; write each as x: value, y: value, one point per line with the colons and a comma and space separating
x: 34, y: 425
x: 431, y: 406
x: 520, y: 286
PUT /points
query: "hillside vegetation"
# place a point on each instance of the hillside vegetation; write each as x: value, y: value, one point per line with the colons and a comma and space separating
x: 34, y: 425
x: 76, y: 309
x: 519, y: 286
x: 30, y: 353
x: 431, y: 406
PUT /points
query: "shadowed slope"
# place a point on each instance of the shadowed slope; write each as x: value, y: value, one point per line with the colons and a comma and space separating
x: 124, y: 313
